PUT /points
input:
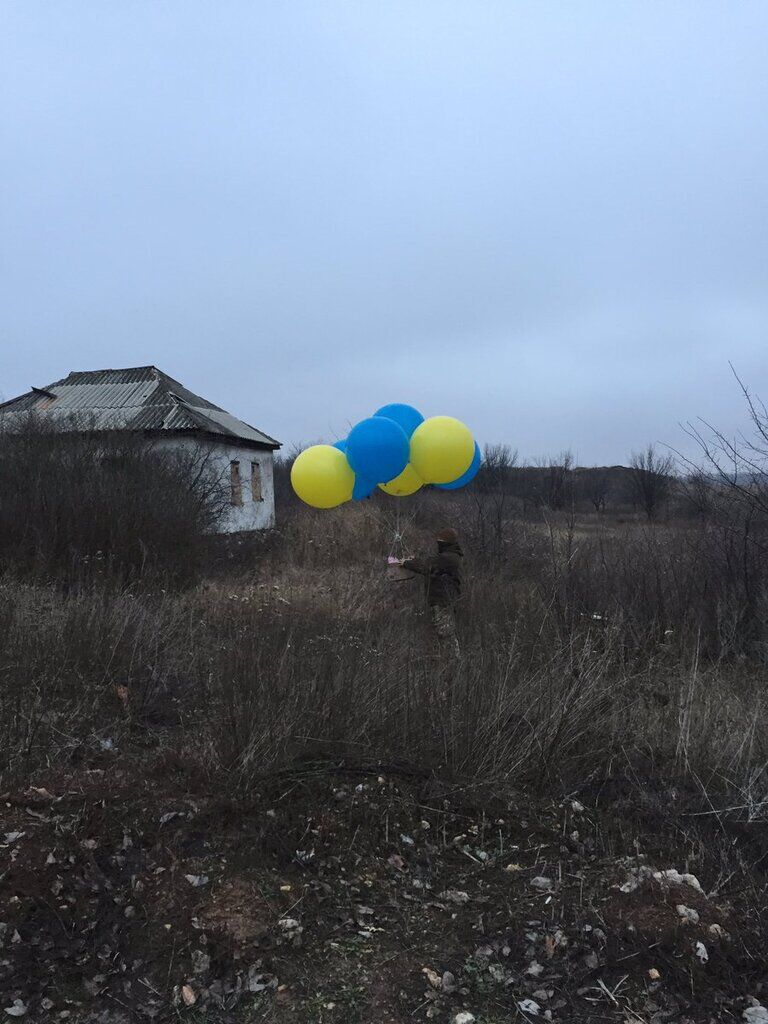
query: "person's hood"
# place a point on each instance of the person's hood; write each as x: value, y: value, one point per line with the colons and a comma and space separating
x: 453, y: 548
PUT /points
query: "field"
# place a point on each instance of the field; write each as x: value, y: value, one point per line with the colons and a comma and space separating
x: 267, y: 794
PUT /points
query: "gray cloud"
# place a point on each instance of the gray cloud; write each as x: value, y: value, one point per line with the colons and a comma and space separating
x: 547, y: 219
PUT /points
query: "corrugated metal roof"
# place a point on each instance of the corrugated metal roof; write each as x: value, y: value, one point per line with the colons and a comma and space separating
x: 107, y: 396
x: 136, y: 398
x: 226, y: 423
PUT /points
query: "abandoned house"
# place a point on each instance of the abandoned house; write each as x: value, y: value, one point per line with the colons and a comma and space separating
x: 145, y: 399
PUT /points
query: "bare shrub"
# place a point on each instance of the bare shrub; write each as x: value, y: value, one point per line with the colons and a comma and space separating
x: 697, y: 495
x: 557, y: 481
x: 492, y: 499
x: 739, y: 464
x: 286, y: 501
x: 593, y: 487
x: 72, y: 505
x: 730, y: 489
x: 651, y: 479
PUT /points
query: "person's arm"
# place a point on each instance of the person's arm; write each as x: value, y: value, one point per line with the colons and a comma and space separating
x: 418, y: 565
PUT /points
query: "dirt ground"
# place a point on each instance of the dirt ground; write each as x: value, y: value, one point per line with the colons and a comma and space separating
x: 131, y: 892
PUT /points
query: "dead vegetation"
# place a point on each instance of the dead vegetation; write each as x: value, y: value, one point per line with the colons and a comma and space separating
x: 77, y: 505
x: 264, y: 795
x: 281, y: 743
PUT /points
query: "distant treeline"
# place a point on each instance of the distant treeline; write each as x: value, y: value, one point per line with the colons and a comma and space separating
x: 647, y: 484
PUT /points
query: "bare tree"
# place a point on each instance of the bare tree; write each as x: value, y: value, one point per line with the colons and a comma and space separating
x: 557, y: 483
x: 698, y: 494
x: 739, y: 464
x: 651, y: 479
x: 493, y: 494
x: 594, y: 486
x: 736, y: 472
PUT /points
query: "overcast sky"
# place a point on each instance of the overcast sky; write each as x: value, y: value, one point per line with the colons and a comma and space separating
x: 548, y: 219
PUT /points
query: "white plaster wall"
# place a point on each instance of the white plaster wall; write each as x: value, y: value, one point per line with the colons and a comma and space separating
x: 251, y: 515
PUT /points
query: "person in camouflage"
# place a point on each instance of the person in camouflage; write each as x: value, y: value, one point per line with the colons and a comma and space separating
x: 442, y: 585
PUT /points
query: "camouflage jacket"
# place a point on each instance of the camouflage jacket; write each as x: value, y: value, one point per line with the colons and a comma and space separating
x: 442, y: 574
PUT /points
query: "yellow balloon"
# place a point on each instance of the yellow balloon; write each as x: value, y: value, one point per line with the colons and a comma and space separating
x: 442, y: 448
x: 407, y: 483
x: 322, y: 477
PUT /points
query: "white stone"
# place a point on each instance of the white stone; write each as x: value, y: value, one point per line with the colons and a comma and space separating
x: 541, y: 883
x: 688, y: 914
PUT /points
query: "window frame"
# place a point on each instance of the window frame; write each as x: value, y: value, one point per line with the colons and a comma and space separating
x: 257, y: 492
x: 235, y: 484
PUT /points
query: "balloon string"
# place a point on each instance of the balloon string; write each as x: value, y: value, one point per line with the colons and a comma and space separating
x: 398, y: 545
x: 396, y: 548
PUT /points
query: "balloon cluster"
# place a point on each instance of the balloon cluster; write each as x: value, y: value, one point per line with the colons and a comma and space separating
x: 396, y: 450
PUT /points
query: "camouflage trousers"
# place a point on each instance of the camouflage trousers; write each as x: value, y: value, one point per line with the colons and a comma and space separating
x: 444, y: 626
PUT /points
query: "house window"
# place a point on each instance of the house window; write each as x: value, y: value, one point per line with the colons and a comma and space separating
x: 256, y: 482
x: 235, y: 484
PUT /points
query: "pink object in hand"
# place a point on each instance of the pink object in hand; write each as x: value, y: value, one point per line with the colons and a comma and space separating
x: 395, y: 570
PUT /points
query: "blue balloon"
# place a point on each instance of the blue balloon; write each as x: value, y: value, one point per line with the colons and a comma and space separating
x: 378, y: 449
x: 468, y: 475
x: 363, y: 488
x: 404, y: 415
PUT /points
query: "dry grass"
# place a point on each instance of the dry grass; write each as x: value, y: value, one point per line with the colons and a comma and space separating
x: 582, y: 648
